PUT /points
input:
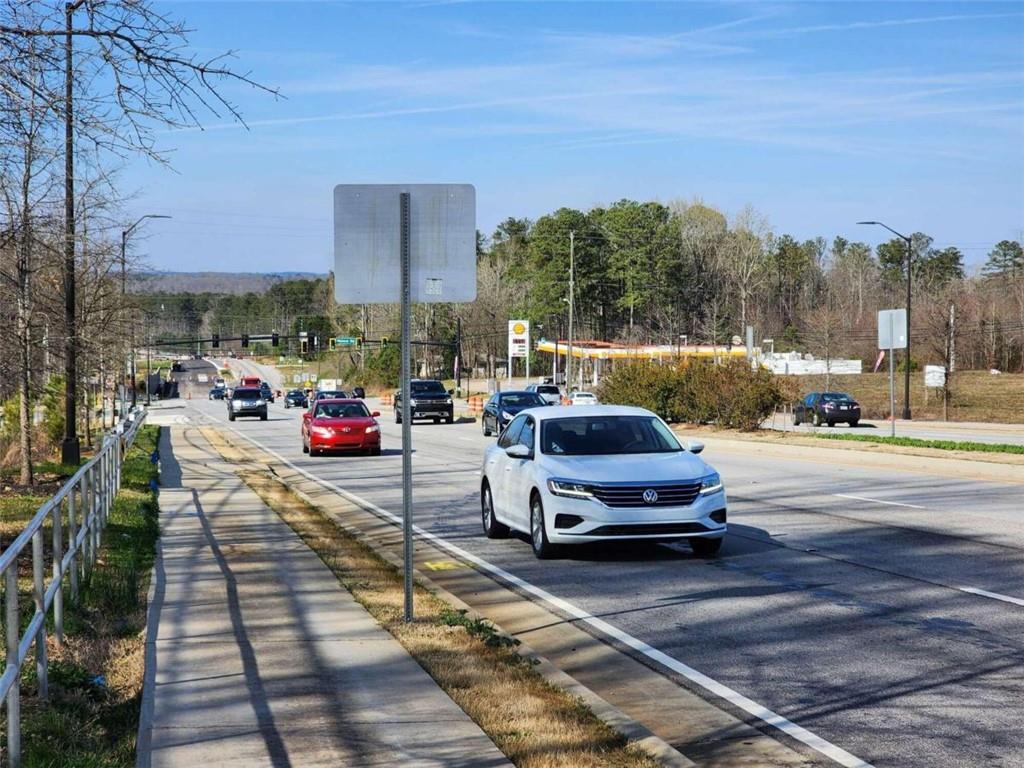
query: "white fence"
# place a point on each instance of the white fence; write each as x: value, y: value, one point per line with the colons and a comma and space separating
x: 85, y: 501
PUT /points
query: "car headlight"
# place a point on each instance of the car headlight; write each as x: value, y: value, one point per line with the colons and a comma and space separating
x: 570, y: 488
x: 372, y: 428
x: 236, y: 404
x: 447, y: 401
x: 412, y: 402
x: 507, y: 416
x: 710, y: 484
x: 323, y: 431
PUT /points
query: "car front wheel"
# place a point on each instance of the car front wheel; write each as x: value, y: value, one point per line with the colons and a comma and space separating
x: 492, y: 528
x: 398, y: 416
x: 542, y: 548
x: 483, y: 422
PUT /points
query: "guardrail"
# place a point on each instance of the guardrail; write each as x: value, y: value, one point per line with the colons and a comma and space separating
x: 85, y: 502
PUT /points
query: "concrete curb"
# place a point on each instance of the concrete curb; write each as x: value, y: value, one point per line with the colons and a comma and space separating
x: 634, y: 732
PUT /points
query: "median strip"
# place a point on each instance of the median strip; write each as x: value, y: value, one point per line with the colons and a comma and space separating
x: 535, y: 724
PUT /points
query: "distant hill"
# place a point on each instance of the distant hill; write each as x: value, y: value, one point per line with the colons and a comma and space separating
x: 212, y: 282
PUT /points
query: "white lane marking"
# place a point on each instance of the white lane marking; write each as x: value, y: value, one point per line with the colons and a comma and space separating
x: 466, y: 439
x: 877, y: 501
x: 993, y: 595
x: 735, y: 698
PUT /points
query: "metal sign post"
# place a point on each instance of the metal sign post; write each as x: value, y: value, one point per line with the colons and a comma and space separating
x: 405, y: 243
x: 892, y: 334
x: 406, y: 352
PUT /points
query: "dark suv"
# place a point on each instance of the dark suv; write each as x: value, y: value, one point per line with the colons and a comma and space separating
x: 430, y: 400
x: 826, y: 408
x: 246, y: 401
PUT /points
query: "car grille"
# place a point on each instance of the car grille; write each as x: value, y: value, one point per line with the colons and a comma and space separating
x: 678, y: 495
x: 648, y: 529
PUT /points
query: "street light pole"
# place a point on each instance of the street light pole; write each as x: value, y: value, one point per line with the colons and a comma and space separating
x: 572, y: 282
x: 910, y: 260
x: 124, y: 282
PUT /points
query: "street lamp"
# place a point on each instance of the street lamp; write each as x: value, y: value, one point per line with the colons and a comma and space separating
x: 124, y: 247
x: 906, y: 372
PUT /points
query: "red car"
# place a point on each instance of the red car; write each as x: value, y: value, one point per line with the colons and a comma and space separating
x: 335, y: 424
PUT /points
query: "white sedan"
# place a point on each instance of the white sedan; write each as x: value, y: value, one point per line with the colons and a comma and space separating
x: 574, y: 474
x: 583, y: 398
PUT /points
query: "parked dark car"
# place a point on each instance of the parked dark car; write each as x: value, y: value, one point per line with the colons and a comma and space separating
x: 247, y: 401
x: 359, y: 392
x: 430, y: 400
x: 297, y: 398
x: 218, y: 393
x: 827, y: 408
x: 503, y: 407
x: 267, y: 392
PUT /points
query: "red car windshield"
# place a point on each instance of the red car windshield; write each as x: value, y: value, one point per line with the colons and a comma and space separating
x: 341, y: 411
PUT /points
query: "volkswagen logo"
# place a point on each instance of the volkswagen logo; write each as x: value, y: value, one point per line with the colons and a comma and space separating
x: 346, y: 429
x: 650, y: 496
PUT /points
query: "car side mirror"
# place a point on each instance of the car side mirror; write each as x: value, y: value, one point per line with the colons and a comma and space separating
x: 518, y: 451
x: 306, y: 416
x: 375, y: 414
x: 451, y: 391
x: 694, y: 446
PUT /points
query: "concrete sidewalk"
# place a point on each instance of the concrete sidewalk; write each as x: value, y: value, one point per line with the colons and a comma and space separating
x: 256, y: 655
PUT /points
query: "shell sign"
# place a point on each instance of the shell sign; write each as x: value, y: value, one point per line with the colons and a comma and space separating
x: 518, y: 338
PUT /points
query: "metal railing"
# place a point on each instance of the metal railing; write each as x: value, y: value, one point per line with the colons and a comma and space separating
x: 85, y: 501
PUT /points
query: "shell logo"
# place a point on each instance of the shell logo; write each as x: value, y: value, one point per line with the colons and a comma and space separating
x: 519, y: 328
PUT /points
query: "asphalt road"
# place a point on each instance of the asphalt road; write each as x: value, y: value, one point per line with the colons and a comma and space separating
x: 844, y: 598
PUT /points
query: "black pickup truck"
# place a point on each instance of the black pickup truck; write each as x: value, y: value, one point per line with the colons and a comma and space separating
x: 430, y: 400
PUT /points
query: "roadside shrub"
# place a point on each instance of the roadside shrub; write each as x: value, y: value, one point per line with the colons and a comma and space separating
x: 730, y: 395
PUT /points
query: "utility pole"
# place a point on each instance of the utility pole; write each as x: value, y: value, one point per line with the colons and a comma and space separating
x: 572, y: 296
x: 70, y: 452
x: 458, y: 354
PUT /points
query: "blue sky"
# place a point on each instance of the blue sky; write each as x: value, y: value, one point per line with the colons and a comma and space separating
x: 817, y: 114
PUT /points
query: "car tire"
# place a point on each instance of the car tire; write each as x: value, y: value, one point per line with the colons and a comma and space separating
x: 854, y: 423
x: 705, y: 547
x: 305, y: 447
x: 492, y: 528
x: 483, y: 422
x: 542, y: 548
x: 816, y: 419
x: 398, y: 416
x: 263, y: 417
x: 449, y: 420
x: 375, y: 451
x: 437, y: 420
x: 831, y: 424
x: 231, y: 417
x: 796, y: 420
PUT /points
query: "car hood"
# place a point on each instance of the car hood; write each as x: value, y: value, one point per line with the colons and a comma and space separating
x: 628, y: 468
x: 355, y: 423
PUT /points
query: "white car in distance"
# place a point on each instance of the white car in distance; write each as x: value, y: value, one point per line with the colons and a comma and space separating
x: 583, y: 398
x: 575, y: 474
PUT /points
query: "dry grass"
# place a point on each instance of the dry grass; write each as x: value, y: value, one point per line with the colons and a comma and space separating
x: 532, y: 722
x: 975, y: 395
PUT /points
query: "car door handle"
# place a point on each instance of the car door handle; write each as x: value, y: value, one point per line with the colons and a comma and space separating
x: 508, y: 469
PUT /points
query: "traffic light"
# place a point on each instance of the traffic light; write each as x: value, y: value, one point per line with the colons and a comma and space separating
x: 216, y: 340
x: 304, y: 344
x: 275, y: 340
x: 331, y: 343
x: 245, y: 340
x: 383, y: 342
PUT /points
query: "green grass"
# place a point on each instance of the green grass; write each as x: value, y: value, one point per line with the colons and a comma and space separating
x: 943, y: 445
x: 91, y: 720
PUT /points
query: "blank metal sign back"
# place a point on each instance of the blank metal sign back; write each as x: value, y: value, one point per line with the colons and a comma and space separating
x: 367, y: 242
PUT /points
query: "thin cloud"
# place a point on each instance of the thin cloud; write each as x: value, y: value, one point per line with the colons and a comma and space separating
x: 881, y: 23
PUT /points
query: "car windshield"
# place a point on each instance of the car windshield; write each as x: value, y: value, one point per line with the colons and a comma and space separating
x: 428, y: 388
x: 583, y: 396
x: 835, y: 397
x: 521, y: 400
x: 295, y: 393
x: 247, y: 394
x: 548, y: 389
x: 342, y: 411
x: 605, y: 435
